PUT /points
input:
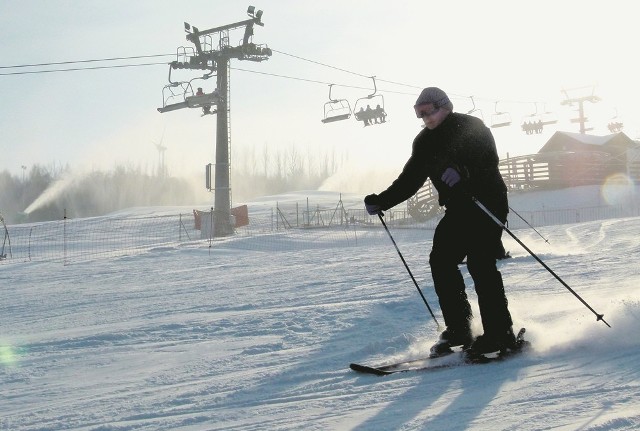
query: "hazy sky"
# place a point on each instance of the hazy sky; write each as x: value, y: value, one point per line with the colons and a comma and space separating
x: 513, y: 53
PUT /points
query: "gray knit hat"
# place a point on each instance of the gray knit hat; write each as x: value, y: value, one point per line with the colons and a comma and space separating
x: 435, y: 96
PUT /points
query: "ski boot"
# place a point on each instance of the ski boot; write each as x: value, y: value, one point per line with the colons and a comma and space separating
x: 451, y: 338
x: 498, y: 344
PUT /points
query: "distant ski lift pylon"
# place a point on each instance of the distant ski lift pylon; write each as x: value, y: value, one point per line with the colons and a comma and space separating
x: 500, y: 119
x: 370, y: 115
x: 336, y: 109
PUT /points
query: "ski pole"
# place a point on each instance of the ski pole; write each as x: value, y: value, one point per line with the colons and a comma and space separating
x: 408, y: 270
x: 495, y: 219
x: 528, y: 224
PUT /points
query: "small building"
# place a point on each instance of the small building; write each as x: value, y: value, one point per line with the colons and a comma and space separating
x: 576, y: 159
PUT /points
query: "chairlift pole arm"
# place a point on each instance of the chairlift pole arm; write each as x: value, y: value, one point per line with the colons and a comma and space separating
x: 330, y: 98
x: 375, y: 88
x: 173, y: 84
x: 474, y: 105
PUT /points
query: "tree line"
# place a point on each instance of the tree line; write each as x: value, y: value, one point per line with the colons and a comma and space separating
x: 50, y: 193
x: 266, y: 171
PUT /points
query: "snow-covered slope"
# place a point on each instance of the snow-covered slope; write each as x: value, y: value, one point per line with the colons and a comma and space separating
x: 193, y: 338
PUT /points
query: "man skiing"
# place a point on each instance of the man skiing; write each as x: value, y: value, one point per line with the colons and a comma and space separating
x: 458, y: 153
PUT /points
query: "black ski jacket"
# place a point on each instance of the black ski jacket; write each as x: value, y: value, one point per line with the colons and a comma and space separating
x: 461, y: 142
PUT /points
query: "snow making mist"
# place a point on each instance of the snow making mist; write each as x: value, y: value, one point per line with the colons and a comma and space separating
x: 54, y: 191
x: 353, y: 178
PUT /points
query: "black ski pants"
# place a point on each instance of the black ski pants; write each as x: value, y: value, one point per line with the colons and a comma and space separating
x: 469, y: 232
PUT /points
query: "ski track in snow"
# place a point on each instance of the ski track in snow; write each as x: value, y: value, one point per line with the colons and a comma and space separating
x: 191, y: 339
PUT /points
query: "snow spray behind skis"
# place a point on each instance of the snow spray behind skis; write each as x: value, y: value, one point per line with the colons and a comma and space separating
x: 506, y: 229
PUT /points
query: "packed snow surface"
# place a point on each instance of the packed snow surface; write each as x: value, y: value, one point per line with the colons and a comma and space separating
x: 225, y: 338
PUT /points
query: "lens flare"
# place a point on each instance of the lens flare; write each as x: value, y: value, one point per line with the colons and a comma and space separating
x: 618, y: 189
x: 8, y: 356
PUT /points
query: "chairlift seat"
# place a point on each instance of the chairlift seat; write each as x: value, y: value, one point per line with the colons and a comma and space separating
x: 500, y: 119
x: 333, y: 119
x: 361, y: 116
x: 476, y: 113
x: 336, y: 110
x: 503, y: 124
x: 203, y: 100
x: 549, y: 118
x: 173, y: 107
x: 371, y: 116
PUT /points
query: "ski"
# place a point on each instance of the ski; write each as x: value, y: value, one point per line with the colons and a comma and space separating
x: 451, y: 359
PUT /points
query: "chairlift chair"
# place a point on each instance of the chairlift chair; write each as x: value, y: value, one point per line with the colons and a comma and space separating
x: 336, y: 109
x: 184, y: 90
x: 476, y: 112
x: 532, y: 123
x: 500, y: 119
x: 549, y: 118
x: 615, y: 124
x: 369, y: 115
x: 201, y: 99
x: 170, y: 94
x: 204, y: 101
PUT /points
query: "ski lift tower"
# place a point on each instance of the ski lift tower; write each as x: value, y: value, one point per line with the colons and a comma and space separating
x: 580, y: 99
x: 216, y: 59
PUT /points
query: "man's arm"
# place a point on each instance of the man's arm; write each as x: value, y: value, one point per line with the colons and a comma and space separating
x: 412, y: 177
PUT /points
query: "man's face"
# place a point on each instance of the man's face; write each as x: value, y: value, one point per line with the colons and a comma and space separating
x: 431, y: 116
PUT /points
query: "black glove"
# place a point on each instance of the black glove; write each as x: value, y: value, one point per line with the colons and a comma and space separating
x: 372, y: 204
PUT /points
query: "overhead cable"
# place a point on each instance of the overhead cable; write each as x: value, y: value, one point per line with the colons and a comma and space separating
x: 58, y: 63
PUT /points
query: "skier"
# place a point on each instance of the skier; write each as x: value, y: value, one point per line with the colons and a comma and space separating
x: 458, y: 152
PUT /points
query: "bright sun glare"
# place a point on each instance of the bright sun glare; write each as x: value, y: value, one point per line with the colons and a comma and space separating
x: 617, y: 189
